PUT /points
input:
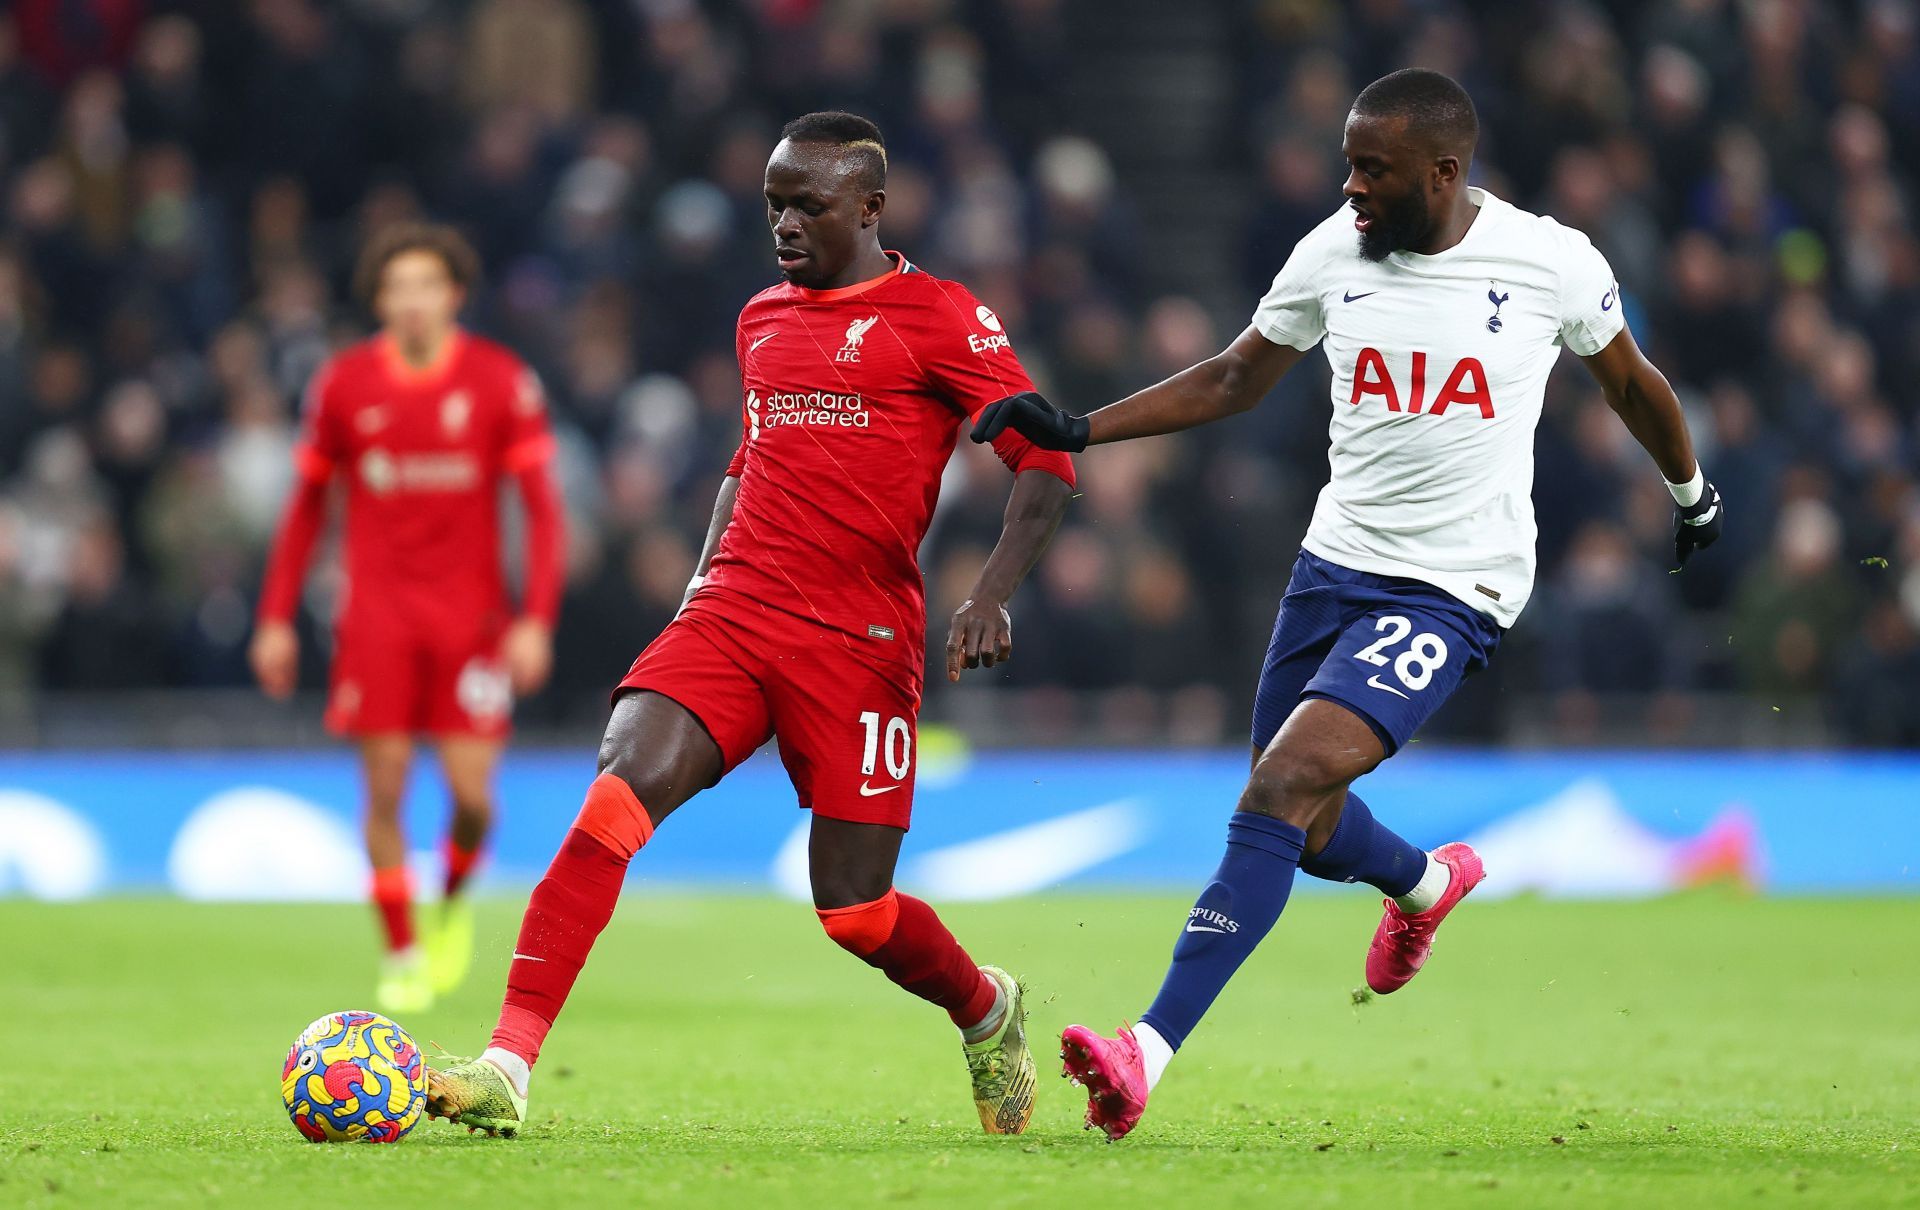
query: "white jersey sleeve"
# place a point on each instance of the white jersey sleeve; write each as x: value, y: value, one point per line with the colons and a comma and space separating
x: 1291, y: 313
x: 1589, y: 297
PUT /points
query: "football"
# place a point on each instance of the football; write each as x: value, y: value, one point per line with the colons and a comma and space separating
x: 354, y: 1076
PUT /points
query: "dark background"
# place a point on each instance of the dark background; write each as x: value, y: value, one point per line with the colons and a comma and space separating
x: 185, y: 185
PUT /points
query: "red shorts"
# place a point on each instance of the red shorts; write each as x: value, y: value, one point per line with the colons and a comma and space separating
x: 390, y: 680
x: 847, y: 726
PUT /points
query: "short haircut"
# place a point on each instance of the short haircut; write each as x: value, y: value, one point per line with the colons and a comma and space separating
x: 462, y: 262
x: 1436, y: 108
x: 848, y: 131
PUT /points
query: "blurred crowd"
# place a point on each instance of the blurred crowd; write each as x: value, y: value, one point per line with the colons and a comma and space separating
x: 185, y: 185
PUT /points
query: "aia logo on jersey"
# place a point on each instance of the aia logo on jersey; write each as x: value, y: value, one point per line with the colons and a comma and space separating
x: 856, y: 336
x: 1466, y: 384
x: 991, y: 322
x: 455, y: 410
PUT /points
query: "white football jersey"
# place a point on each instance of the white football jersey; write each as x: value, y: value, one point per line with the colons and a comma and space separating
x: 1440, y: 364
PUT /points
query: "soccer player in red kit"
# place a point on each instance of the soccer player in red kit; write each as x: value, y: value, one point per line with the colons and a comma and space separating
x: 419, y: 426
x: 808, y: 619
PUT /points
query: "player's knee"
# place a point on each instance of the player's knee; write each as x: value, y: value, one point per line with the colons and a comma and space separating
x: 1293, y: 786
x: 661, y: 772
x: 864, y: 927
x: 1262, y: 796
x: 386, y: 782
x: 384, y: 796
x: 625, y: 757
x: 616, y: 754
x: 473, y: 806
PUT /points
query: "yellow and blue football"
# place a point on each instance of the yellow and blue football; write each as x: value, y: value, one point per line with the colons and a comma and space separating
x: 354, y: 1076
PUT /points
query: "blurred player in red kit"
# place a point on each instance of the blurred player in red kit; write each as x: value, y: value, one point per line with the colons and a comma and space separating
x: 419, y: 426
x: 807, y: 621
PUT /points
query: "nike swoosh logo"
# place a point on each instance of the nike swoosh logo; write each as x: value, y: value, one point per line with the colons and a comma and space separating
x: 763, y: 340
x: 1374, y: 682
x: 520, y: 957
x: 867, y: 791
x: 1358, y: 297
x: 1201, y: 928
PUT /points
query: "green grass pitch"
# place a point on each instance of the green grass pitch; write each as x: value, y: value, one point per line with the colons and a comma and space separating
x: 1699, y: 1051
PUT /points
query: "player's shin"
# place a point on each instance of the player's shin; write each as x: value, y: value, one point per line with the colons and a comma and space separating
x: 391, y: 890
x: 458, y: 858
x: 1361, y: 849
x: 566, y: 913
x: 1237, y: 909
x: 903, y: 938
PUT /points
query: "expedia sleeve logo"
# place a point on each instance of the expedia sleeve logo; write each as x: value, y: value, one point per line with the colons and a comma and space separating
x: 991, y: 322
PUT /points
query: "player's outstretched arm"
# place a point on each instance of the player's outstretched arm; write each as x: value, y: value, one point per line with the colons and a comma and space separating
x: 716, y: 527
x: 1639, y: 393
x: 982, y: 630
x: 1226, y: 384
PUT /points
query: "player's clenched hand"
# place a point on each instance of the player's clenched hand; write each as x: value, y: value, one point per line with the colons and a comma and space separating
x: 981, y: 635
x: 528, y: 652
x: 1696, y: 526
x: 275, y: 656
x: 1030, y: 415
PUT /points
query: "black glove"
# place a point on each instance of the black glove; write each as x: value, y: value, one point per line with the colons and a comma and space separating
x: 1696, y: 526
x: 1031, y: 416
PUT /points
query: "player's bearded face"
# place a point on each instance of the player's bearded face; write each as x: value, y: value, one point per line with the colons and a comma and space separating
x: 1398, y: 224
x: 1392, y: 208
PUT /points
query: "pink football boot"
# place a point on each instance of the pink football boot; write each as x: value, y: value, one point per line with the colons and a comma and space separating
x: 1114, y: 1074
x: 1404, y: 939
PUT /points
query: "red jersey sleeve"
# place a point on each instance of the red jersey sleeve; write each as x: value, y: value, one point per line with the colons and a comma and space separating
x: 546, y: 543
x: 321, y: 446
x: 738, y: 462
x: 970, y: 359
x: 529, y: 438
x: 527, y: 455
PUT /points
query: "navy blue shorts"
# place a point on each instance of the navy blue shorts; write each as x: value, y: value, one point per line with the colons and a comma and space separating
x: 1388, y: 649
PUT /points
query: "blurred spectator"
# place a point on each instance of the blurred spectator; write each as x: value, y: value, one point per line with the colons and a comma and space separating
x: 1793, y: 611
x: 107, y: 635
x: 1613, y: 619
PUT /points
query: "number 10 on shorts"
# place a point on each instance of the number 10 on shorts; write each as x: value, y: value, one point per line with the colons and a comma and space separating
x: 899, y: 737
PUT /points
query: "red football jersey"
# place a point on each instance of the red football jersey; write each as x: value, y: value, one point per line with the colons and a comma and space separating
x: 853, y: 399
x: 423, y: 453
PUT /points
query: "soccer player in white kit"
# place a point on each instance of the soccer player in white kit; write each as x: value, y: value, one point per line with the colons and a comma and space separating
x: 1442, y: 310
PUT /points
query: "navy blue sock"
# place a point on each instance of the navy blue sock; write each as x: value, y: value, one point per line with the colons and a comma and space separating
x: 1363, y: 850
x: 1236, y: 910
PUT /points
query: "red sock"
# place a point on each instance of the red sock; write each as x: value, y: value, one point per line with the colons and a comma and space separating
x: 392, y: 892
x: 567, y: 911
x: 459, y: 864
x: 903, y: 937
